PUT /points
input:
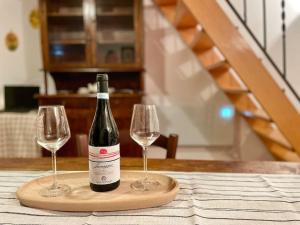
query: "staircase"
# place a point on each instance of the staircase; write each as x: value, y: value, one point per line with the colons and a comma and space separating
x: 226, y: 55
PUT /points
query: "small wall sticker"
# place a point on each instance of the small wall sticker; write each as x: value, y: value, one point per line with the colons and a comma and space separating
x: 11, y: 41
x: 34, y: 18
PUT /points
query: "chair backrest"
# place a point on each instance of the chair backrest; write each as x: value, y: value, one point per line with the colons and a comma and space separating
x: 129, y: 148
x: 169, y: 143
x: 82, y: 144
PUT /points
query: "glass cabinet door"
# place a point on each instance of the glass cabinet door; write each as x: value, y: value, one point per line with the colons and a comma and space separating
x: 115, y: 32
x: 67, y: 38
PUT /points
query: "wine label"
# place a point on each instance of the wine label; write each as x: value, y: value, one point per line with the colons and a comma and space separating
x: 104, y: 164
x: 103, y: 95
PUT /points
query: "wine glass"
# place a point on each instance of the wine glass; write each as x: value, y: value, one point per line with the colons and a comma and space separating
x: 144, y: 130
x: 52, y: 133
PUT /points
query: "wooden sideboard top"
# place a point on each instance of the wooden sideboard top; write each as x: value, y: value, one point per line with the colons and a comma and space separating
x: 89, y: 96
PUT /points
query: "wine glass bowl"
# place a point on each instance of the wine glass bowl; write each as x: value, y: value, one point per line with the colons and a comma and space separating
x: 144, y: 130
x: 52, y: 131
x: 144, y: 138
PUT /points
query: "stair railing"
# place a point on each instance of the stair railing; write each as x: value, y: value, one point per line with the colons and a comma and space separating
x: 263, y: 46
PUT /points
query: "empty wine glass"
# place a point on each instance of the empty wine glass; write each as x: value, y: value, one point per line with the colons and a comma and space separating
x: 52, y: 133
x: 144, y: 130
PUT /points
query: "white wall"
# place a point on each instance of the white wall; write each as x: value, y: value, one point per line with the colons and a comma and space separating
x: 31, y: 38
x: 12, y: 64
x: 22, y: 66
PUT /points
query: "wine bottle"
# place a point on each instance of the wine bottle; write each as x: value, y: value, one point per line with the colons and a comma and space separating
x: 104, y: 147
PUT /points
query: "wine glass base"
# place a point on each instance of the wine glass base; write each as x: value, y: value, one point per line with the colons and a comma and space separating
x: 58, y: 190
x: 145, y: 185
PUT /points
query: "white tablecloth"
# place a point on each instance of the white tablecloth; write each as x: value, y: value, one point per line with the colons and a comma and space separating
x: 17, y: 135
x: 204, y: 198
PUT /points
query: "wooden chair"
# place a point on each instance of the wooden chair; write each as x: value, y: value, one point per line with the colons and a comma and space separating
x: 129, y: 148
x: 169, y: 143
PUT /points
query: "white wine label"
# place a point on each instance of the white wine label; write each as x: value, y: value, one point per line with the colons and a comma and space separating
x: 102, y: 95
x: 104, y: 164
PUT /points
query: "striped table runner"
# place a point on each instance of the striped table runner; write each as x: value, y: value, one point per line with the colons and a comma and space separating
x: 204, y: 198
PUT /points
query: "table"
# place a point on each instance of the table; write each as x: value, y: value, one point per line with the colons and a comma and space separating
x: 81, y: 163
x: 261, y: 193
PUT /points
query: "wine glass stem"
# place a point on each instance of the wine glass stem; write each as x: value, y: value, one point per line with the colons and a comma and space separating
x: 145, y: 162
x: 54, y: 185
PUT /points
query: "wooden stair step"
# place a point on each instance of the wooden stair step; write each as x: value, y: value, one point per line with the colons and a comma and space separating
x: 272, y: 134
x: 255, y: 113
x: 229, y: 84
x: 226, y: 79
x: 188, y: 35
x: 235, y: 90
x: 165, y: 2
x: 216, y: 65
x: 221, y: 70
x: 243, y: 102
x: 203, y: 41
x: 196, y: 38
x: 281, y: 152
x: 169, y: 12
x: 210, y: 59
x: 183, y: 17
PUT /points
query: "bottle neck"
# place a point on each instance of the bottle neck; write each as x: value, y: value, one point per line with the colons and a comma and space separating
x: 102, y: 102
x: 102, y: 86
x: 102, y: 91
x: 102, y: 96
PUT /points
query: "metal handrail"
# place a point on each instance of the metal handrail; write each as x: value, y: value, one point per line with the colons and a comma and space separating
x: 263, y: 47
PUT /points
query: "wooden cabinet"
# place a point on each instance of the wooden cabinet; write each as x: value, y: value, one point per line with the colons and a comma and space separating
x: 80, y: 111
x: 81, y: 38
x: 85, y: 34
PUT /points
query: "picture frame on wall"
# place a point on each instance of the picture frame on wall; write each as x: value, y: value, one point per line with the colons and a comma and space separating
x: 127, y: 54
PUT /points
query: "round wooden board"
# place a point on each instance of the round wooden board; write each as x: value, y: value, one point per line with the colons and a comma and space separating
x: 82, y: 198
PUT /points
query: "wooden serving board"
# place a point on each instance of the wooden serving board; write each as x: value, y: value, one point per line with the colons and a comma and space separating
x: 82, y: 198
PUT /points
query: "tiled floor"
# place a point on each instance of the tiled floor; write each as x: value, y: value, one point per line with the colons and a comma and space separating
x: 214, y: 153
x: 204, y: 153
